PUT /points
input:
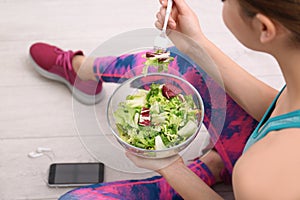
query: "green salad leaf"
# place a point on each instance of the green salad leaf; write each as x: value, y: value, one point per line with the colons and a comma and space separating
x: 158, y: 118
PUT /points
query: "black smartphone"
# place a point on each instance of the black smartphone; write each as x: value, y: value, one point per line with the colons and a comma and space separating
x: 75, y: 174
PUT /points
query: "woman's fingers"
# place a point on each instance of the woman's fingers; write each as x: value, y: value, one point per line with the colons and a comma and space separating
x: 162, y: 12
x: 152, y: 164
x: 158, y: 25
x: 159, y: 21
x: 172, y: 23
x: 161, y: 17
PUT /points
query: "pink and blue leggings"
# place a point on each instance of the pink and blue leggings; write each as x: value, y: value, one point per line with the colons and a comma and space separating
x: 229, y: 141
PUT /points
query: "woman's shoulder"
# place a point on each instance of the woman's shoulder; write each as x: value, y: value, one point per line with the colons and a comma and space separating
x: 270, y: 168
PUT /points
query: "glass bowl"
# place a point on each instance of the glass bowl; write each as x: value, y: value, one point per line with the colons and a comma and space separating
x: 135, y: 84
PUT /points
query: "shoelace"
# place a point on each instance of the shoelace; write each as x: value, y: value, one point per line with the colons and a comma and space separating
x: 63, y: 59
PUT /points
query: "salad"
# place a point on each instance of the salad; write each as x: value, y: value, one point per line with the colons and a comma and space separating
x: 159, y: 59
x: 158, y: 118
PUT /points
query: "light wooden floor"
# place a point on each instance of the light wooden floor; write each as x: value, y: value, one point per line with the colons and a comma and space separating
x: 37, y: 112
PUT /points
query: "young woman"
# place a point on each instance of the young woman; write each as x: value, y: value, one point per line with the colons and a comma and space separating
x: 267, y: 154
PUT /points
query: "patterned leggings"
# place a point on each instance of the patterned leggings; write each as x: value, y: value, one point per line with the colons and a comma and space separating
x: 229, y: 141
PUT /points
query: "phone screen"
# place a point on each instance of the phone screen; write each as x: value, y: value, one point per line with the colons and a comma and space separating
x: 75, y: 174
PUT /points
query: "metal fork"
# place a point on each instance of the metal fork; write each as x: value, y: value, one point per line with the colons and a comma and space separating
x: 161, y: 41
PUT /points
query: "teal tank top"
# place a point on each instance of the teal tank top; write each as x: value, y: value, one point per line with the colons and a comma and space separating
x: 267, y: 124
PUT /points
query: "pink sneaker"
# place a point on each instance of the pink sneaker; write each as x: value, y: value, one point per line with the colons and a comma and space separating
x: 56, y: 64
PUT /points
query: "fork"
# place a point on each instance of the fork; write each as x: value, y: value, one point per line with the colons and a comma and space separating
x: 161, y: 41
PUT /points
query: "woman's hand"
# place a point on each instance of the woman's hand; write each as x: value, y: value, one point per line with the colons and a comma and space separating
x: 182, y: 19
x: 154, y: 164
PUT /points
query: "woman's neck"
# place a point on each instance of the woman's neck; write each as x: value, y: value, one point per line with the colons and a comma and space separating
x: 289, y: 62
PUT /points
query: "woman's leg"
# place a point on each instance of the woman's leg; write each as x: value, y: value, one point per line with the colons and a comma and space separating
x: 238, y: 125
x: 145, y: 189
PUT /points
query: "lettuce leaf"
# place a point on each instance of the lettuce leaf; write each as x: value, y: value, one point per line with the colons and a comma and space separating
x: 172, y: 120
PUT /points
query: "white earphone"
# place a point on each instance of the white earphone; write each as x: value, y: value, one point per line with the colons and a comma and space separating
x: 34, y: 154
x: 43, y: 149
x: 39, y: 152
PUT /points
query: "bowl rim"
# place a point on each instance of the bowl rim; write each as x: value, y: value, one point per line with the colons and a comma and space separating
x: 161, y: 150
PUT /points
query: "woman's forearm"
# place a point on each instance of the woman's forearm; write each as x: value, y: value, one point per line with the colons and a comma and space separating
x: 187, y: 184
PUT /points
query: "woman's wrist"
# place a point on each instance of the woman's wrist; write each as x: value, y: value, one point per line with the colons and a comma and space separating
x: 177, y: 164
x: 195, y: 43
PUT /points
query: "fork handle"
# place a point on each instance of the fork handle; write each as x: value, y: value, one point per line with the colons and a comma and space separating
x: 168, y: 12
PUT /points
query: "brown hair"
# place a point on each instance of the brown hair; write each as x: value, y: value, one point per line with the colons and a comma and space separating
x: 286, y: 12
